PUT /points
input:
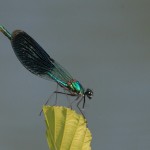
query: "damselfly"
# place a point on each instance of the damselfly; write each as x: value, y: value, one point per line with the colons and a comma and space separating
x: 36, y: 60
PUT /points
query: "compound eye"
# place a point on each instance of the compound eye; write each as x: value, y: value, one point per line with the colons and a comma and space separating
x: 89, y: 93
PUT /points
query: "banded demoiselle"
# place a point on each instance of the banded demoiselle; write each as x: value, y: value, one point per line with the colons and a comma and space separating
x: 36, y: 60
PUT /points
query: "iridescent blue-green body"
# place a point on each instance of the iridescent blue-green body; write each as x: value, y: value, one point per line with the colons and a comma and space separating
x: 73, y: 86
x: 36, y: 60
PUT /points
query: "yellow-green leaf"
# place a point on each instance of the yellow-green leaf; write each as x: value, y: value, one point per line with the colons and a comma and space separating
x: 65, y: 129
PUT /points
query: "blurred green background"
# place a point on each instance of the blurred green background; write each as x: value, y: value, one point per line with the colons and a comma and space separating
x: 105, y: 44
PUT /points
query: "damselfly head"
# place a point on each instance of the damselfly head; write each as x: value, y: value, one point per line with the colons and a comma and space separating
x: 89, y: 93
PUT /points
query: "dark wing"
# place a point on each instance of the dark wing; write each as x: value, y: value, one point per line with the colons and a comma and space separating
x: 35, y: 59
